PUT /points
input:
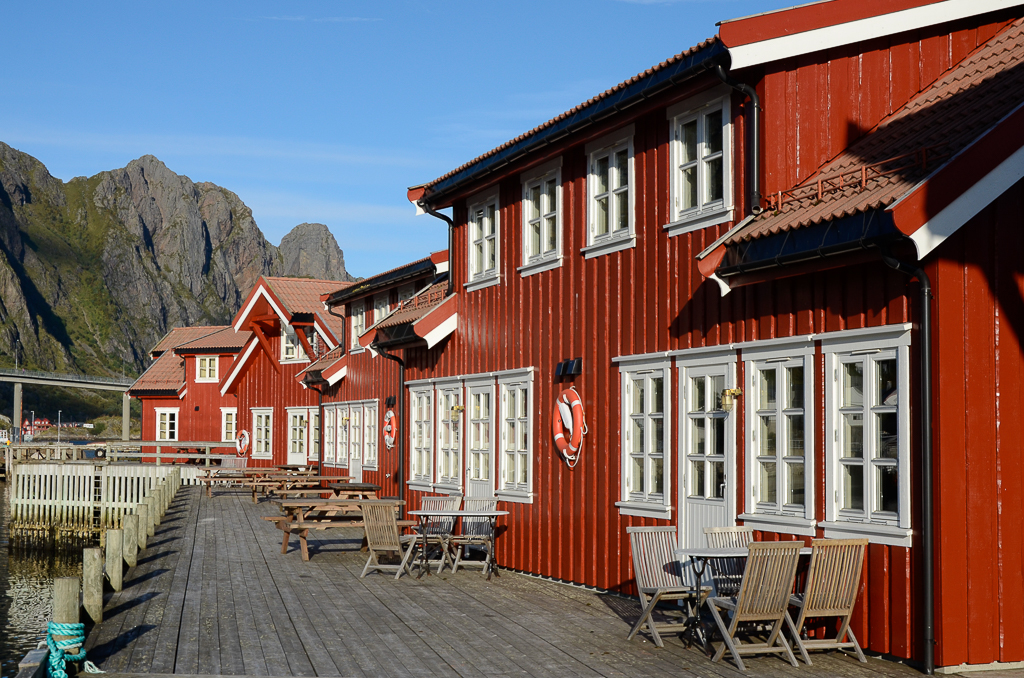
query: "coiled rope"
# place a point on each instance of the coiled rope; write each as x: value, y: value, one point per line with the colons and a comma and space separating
x: 58, y: 658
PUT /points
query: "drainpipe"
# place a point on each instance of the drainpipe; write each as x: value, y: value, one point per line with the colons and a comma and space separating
x: 401, y: 417
x: 927, y: 519
x: 451, y: 237
x: 344, y: 326
x: 755, y: 134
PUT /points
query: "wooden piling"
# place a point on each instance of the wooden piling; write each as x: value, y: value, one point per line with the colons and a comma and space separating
x: 158, y: 504
x: 65, y: 604
x: 150, y: 514
x: 115, y: 558
x: 92, y: 583
x: 130, y: 545
x: 142, y: 511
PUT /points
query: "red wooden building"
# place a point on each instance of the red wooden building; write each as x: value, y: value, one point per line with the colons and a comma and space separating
x: 723, y: 256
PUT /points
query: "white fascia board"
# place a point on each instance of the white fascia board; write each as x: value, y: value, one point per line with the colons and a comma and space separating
x: 252, y: 302
x: 976, y: 198
x: 238, y: 365
x: 323, y: 333
x: 441, y: 331
x: 337, y: 376
x: 819, y: 39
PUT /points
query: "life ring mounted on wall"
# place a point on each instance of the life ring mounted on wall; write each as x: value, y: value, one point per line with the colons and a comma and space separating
x: 569, y: 410
x: 242, y: 443
x: 390, y: 429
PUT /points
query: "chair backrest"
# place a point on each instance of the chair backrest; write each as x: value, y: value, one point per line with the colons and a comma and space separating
x: 440, y: 524
x: 654, y: 557
x: 767, y: 580
x: 833, y: 577
x: 477, y: 527
x: 234, y: 462
x: 381, y: 527
x: 727, y: 573
x: 729, y: 537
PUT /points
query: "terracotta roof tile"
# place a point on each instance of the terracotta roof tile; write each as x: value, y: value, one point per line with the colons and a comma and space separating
x: 909, y: 145
x: 324, y: 361
x: 224, y: 338
x: 180, y: 335
x: 167, y: 373
x: 416, y: 307
x: 302, y: 295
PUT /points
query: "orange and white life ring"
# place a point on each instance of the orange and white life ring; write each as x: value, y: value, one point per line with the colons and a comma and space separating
x: 390, y: 429
x: 569, y: 410
x: 242, y: 443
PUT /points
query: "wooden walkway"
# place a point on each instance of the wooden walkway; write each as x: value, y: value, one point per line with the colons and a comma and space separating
x: 213, y: 595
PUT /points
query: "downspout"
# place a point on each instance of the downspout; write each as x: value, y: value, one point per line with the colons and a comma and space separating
x: 344, y: 326
x: 927, y: 519
x: 755, y: 134
x: 401, y: 417
x: 451, y: 238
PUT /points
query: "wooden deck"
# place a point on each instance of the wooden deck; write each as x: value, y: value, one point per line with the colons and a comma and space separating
x: 213, y: 595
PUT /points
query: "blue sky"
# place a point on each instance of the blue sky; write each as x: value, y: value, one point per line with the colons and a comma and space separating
x: 321, y: 111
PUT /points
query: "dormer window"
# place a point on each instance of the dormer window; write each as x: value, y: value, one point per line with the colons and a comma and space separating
x: 484, y: 228
x: 380, y: 308
x: 701, y: 149
x: 290, y: 347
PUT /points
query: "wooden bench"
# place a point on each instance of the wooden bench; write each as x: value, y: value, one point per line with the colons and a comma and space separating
x: 323, y: 515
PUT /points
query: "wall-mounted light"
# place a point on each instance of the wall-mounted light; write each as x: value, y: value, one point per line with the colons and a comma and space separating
x: 344, y: 421
x: 728, y: 397
x: 569, y: 367
x: 457, y: 409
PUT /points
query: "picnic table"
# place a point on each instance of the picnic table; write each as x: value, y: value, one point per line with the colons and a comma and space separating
x: 277, y: 483
x: 225, y: 475
x: 424, y: 516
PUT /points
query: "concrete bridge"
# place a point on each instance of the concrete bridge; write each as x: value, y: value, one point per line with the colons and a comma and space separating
x: 21, y: 377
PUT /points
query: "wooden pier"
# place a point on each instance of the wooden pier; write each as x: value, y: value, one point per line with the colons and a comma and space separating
x: 213, y: 595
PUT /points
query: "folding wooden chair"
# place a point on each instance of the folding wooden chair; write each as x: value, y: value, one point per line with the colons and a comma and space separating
x: 763, y: 597
x: 833, y: 581
x: 382, y: 537
x: 727, y: 573
x: 439, y: 528
x: 659, y: 576
x: 475, y: 532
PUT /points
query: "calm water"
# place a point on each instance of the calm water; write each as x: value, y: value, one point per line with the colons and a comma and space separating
x: 26, y: 589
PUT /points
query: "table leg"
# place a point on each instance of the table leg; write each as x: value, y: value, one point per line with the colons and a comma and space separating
x: 694, y: 624
x: 424, y: 565
x: 490, y: 549
x: 283, y: 524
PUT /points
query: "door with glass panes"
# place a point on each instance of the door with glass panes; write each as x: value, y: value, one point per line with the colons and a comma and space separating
x: 449, y: 439
x: 707, y: 453
x: 355, y: 444
x: 479, y: 457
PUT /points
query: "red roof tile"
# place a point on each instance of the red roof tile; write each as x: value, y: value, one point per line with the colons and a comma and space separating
x: 302, y: 295
x: 908, y: 146
x: 323, y: 362
x: 415, y: 308
x: 180, y: 335
x: 167, y: 373
x: 225, y: 338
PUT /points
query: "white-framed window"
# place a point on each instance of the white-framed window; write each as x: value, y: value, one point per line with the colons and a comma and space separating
x: 701, y: 163
x: 707, y: 433
x: 480, y: 423
x: 779, y: 435
x: 314, y: 432
x: 610, y: 194
x: 484, y: 241
x: 262, y: 432
x: 406, y: 292
x: 330, y: 435
x: 450, y: 411
x: 542, y: 218
x: 228, y: 423
x: 355, y: 433
x: 646, y: 404
x: 867, y: 434
x: 206, y: 368
x: 166, y: 423
x: 380, y: 307
x: 298, y: 427
x: 516, y: 439
x: 421, y: 436
x: 358, y: 325
x: 291, y: 349
x: 370, y: 436
x: 343, y: 420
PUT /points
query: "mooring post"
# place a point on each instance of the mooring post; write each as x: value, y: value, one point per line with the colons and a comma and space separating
x: 142, y: 511
x: 150, y: 511
x: 115, y: 558
x: 130, y: 547
x: 92, y: 583
x: 66, y: 605
x: 158, y: 506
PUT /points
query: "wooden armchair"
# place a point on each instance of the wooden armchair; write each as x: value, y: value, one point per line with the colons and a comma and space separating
x: 833, y: 581
x: 763, y: 597
x: 475, y: 532
x: 727, y: 573
x: 382, y: 537
x: 659, y: 576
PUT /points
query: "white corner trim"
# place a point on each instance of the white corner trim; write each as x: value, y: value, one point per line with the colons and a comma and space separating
x: 337, y: 376
x: 934, y: 231
x: 864, y: 29
x: 441, y: 331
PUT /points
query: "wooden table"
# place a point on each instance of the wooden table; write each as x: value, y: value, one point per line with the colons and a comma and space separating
x: 425, y: 515
x: 315, y: 513
x: 354, y: 487
x: 229, y: 474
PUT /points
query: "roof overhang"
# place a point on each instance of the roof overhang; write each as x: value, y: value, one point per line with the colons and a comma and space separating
x: 260, y: 291
x: 438, y: 323
x: 416, y: 269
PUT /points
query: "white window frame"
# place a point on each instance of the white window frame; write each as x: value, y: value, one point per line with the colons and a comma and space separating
x: 293, y: 412
x: 421, y: 438
x: 358, y: 325
x: 478, y: 387
x: 645, y: 503
x: 341, y: 421
x: 779, y: 517
x: 168, y: 415
x: 226, y: 412
x: 290, y: 340
x: 381, y: 308
x: 509, y: 488
x: 624, y: 237
x: 268, y: 424
x: 330, y: 435
x: 872, y: 344
x: 406, y: 292
x: 484, y: 277
x: 313, y: 434
x: 442, y: 482
x: 706, y: 212
x: 537, y: 179
x: 207, y: 364
x: 371, y: 436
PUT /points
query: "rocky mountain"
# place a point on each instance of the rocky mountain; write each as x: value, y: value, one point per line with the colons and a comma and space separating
x: 94, y: 271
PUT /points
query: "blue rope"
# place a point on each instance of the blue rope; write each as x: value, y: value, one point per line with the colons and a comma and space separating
x: 58, y: 657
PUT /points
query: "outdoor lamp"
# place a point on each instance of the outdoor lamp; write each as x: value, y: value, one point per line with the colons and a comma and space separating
x: 729, y: 396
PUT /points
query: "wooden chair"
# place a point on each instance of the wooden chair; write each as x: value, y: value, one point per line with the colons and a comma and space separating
x: 382, y: 537
x: 439, y: 528
x: 659, y: 576
x: 475, y: 532
x: 763, y: 597
x: 727, y: 573
x: 833, y: 581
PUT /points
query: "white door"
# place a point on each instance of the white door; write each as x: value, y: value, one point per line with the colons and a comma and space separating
x: 449, y: 439
x: 708, y: 453
x: 297, y: 429
x: 480, y: 457
x: 355, y: 444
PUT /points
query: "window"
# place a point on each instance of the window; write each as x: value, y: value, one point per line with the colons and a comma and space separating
x: 355, y: 434
x: 868, y: 435
x: 358, y: 324
x: 297, y: 432
x: 645, y: 402
x: 262, y: 432
x: 380, y: 308
x: 370, y: 436
x: 516, y: 421
x: 484, y: 225
x: 610, y: 197
x: 701, y: 180
x: 541, y: 219
x: 353, y: 426
x: 406, y: 292
x: 449, y: 446
x: 480, y: 432
x: 330, y: 451
x: 707, y: 434
x: 314, y: 433
x: 166, y: 423
x: 343, y: 421
x: 290, y: 347
x: 206, y: 368
x: 421, y: 444
x: 228, y: 423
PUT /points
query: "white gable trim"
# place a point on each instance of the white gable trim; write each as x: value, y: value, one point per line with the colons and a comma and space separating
x: 323, y: 333
x: 252, y: 302
x: 239, y: 362
x: 337, y: 376
x: 441, y: 331
x: 864, y: 29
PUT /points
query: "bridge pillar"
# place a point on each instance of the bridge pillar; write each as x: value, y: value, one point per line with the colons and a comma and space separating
x: 17, y: 412
x: 125, y: 416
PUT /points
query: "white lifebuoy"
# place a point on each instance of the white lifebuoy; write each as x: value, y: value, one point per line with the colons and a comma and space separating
x: 390, y: 429
x: 242, y: 443
x: 569, y: 410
